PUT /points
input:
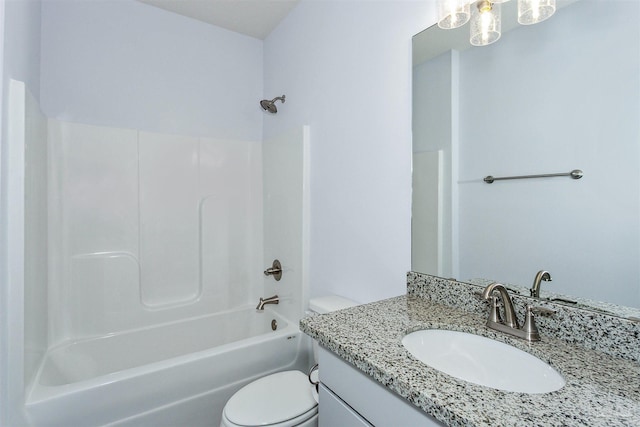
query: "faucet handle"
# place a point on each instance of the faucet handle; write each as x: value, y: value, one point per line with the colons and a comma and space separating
x: 541, y: 310
x: 275, y: 270
x: 494, y: 315
x: 530, y: 328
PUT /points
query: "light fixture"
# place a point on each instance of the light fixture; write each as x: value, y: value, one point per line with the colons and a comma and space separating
x: 452, y: 13
x: 534, y: 11
x: 485, y: 23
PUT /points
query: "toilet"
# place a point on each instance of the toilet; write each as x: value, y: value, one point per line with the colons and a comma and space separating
x: 283, y: 399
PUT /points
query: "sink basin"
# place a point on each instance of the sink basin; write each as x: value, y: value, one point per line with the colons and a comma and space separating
x: 482, y: 361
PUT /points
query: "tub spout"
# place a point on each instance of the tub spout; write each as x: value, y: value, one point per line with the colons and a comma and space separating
x: 264, y: 301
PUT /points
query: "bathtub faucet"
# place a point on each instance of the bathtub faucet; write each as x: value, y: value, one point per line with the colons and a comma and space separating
x: 264, y: 301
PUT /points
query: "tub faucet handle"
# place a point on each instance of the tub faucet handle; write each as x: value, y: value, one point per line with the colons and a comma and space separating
x: 275, y: 270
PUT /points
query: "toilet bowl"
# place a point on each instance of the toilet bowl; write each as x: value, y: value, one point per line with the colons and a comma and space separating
x: 283, y: 399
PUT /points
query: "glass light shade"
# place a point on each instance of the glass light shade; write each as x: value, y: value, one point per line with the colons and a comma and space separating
x: 534, y: 11
x: 486, y: 25
x: 452, y: 13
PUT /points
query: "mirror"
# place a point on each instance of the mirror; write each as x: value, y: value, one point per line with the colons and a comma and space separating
x: 548, y: 98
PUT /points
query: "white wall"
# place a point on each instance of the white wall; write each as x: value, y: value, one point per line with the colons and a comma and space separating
x: 345, y: 67
x: 22, y: 43
x: 130, y: 65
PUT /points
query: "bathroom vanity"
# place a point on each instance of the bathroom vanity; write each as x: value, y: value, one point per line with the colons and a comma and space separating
x: 351, y: 398
x: 366, y: 371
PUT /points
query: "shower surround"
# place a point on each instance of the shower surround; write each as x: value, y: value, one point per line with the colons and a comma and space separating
x: 150, y: 228
x: 141, y: 266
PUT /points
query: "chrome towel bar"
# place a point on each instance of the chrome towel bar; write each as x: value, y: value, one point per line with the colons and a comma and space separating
x: 575, y: 174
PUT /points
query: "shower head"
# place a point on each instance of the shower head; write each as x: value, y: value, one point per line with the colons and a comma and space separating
x: 270, y: 106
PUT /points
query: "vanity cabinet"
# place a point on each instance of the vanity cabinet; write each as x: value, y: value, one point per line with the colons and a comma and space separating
x: 349, y: 398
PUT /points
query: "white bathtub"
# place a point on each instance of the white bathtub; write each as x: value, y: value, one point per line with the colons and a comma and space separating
x: 178, y: 374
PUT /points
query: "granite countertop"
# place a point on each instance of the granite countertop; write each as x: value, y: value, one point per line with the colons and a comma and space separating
x: 600, y: 389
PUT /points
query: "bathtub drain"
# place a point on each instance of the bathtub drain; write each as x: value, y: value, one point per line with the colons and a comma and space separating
x: 274, y: 325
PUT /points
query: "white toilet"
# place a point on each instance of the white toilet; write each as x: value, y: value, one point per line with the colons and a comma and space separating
x: 283, y: 399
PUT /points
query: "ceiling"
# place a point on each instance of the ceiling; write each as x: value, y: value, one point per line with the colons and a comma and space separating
x: 255, y: 18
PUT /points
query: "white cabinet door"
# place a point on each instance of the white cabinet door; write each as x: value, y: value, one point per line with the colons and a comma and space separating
x: 334, y: 412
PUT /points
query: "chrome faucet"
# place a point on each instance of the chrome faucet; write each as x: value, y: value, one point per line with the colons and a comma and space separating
x: 528, y: 331
x: 540, y: 276
x: 264, y: 301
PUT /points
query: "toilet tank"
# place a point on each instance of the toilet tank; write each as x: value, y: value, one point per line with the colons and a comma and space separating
x: 329, y: 303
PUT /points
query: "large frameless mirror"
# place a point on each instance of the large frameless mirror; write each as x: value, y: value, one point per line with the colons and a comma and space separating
x: 550, y: 98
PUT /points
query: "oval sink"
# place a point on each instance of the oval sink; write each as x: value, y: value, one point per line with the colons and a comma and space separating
x: 482, y: 361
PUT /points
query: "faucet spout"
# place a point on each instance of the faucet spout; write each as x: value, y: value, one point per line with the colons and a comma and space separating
x: 510, y: 318
x: 509, y: 325
x: 264, y: 301
x: 540, y: 276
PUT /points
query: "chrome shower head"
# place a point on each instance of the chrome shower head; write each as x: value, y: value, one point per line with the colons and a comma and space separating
x: 270, y: 106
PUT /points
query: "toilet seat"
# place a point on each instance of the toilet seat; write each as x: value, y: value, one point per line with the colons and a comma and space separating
x: 282, y: 399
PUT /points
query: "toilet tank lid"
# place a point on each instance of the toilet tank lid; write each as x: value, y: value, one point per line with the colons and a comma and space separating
x: 327, y: 304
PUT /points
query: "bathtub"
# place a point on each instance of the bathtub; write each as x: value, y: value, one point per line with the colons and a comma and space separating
x: 177, y: 374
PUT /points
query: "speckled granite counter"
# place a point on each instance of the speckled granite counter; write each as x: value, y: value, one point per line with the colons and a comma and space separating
x: 601, y: 389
